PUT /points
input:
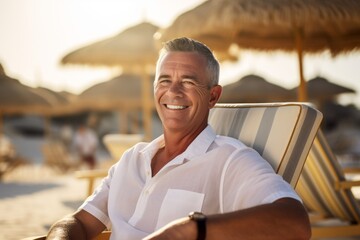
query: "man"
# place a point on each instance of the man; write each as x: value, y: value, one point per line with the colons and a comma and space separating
x: 151, y: 190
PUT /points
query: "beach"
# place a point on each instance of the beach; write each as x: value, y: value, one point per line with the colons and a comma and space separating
x: 33, y: 197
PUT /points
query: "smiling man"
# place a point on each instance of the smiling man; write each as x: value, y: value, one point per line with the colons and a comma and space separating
x: 189, y: 183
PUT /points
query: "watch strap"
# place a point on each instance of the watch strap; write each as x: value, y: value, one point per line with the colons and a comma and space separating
x: 200, y: 220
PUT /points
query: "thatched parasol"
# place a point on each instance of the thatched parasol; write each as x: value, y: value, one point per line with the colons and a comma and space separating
x: 134, y: 50
x: 120, y: 93
x: 220, y: 45
x: 54, y: 98
x: 253, y: 88
x: 301, y: 25
x: 321, y: 89
x: 16, y: 98
x: 129, y: 49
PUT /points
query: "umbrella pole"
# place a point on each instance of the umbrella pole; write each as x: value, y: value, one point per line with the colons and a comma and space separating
x: 47, y: 126
x: 1, y: 124
x: 124, y: 121
x: 302, y: 92
x: 147, y: 111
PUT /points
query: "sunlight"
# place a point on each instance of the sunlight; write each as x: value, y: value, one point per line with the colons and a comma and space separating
x: 38, y: 34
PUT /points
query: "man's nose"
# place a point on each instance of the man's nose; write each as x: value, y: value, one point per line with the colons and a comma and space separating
x: 176, y: 88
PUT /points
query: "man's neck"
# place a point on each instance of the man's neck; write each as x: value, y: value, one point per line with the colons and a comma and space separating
x: 175, y: 144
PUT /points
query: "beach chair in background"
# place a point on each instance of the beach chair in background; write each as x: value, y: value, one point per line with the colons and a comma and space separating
x: 116, y: 144
x: 281, y: 132
x: 9, y: 159
x: 326, y: 192
x: 58, y: 157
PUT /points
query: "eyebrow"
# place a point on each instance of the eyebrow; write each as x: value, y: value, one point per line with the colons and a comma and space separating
x: 163, y: 76
x: 182, y: 77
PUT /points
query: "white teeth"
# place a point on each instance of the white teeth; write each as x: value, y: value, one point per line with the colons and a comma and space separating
x: 175, y: 107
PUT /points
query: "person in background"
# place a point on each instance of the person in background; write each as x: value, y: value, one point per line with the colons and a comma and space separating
x: 86, y: 142
x: 189, y: 183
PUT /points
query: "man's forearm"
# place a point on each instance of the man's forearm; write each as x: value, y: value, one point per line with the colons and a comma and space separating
x: 67, y: 228
x: 282, y: 220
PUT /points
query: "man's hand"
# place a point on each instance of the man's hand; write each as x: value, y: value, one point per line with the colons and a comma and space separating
x: 181, y: 229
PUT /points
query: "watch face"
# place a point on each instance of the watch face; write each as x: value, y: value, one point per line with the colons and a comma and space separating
x: 198, y: 216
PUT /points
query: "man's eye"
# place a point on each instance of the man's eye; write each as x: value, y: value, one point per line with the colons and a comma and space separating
x: 164, y: 82
x: 188, y: 83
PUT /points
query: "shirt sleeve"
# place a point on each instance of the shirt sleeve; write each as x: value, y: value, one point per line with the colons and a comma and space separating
x: 97, y: 203
x: 249, y: 180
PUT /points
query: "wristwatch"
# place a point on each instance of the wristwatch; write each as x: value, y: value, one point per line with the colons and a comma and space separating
x: 200, y: 220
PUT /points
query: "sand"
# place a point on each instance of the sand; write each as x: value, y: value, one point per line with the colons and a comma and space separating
x: 33, y: 197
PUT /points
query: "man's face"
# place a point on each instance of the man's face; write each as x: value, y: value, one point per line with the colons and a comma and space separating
x: 183, y: 95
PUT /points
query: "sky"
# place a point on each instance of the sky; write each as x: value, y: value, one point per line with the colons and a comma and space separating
x: 36, y: 34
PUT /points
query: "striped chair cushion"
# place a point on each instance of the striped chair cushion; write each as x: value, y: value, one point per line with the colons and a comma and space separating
x: 281, y: 132
x: 317, y: 185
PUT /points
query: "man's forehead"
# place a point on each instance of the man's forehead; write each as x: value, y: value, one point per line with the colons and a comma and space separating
x: 182, y: 60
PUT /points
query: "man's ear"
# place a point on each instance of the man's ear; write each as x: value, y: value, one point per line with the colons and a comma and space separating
x: 215, y: 93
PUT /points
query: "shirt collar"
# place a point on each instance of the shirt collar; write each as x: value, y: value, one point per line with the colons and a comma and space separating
x: 201, y: 143
x: 199, y: 146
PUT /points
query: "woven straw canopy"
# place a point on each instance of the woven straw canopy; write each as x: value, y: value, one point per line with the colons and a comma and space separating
x: 301, y: 25
x: 134, y: 50
x: 122, y: 92
x: 253, y: 88
x: 18, y: 98
x: 320, y: 88
x: 182, y: 26
x: 134, y: 46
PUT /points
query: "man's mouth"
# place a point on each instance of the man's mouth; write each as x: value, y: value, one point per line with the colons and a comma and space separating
x: 175, y: 107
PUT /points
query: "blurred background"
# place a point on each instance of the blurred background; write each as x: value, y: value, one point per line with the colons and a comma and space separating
x: 92, y: 62
x: 70, y: 63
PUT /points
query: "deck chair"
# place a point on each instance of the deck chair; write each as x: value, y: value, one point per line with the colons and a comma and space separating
x: 9, y: 158
x: 281, y: 132
x: 116, y: 144
x: 57, y: 156
x: 326, y: 192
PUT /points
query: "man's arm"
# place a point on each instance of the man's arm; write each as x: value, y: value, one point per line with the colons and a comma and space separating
x: 284, y: 219
x: 80, y: 225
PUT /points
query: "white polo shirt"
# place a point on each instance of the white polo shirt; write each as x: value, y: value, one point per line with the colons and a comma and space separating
x: 215, y: 174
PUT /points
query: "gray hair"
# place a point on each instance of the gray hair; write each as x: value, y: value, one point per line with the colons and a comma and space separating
x: 184, y: 44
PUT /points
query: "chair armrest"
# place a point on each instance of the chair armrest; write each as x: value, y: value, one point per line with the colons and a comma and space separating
x: 91, y: 176
x: 97, y: 173
x: 346, y: 184
x: 351, y: 170
x: 105, y: 235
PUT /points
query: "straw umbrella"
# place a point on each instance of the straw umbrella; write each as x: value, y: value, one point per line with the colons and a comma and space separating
x: 253, y: 88
x: 16, y: 98
x: 321, y: 89
x: 222, y: 46
x: 306, y: 26
x: 122, y: 92
x: 54, y: 98
x: 134, y: 50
